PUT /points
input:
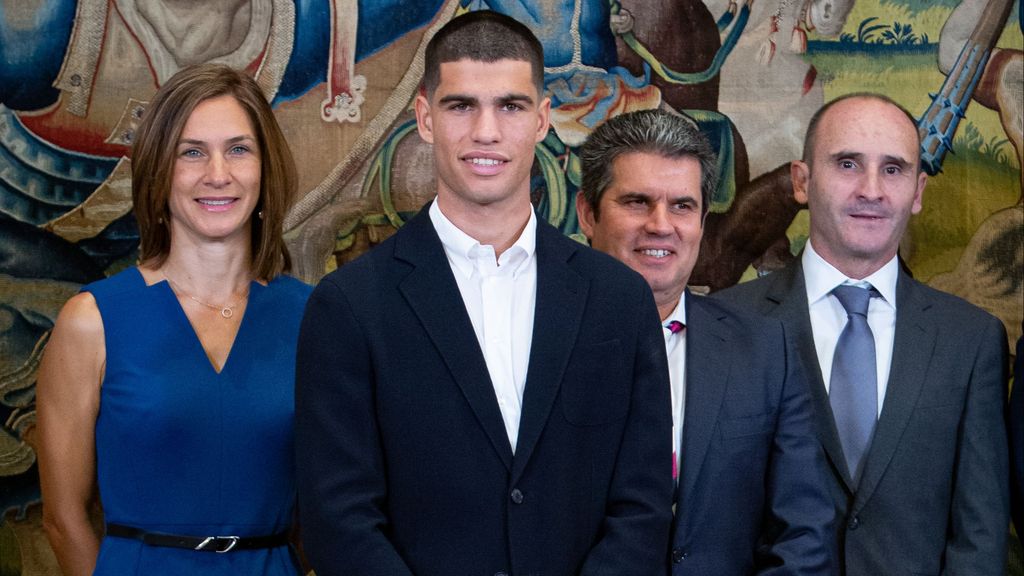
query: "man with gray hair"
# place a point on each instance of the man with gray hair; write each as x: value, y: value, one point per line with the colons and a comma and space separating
x: 750, y: 485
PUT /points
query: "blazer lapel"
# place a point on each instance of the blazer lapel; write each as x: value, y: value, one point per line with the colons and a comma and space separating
x: 434, y: 297
x: 789, y: 294
x: 705, y: 391
x: 561, y: 299
x: 912, y: 348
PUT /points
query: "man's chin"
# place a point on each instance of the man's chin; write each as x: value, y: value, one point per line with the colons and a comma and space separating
x: 870, y: 251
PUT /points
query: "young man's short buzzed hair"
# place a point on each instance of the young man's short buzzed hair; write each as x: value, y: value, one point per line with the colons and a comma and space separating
x: 484, y: 36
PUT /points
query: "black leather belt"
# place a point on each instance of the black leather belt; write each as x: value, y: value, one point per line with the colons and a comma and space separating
x: 219, y: 544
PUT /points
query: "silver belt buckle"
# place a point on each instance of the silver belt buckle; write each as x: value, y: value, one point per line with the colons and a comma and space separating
x: 233, y: 542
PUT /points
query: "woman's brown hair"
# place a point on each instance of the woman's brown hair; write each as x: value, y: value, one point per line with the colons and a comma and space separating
x: 154, y: 153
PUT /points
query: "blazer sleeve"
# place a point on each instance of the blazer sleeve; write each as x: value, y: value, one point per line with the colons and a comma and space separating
x: 340, y: 476
x: 979, y: 515
x: 639, y: 506
x: 799, y: 505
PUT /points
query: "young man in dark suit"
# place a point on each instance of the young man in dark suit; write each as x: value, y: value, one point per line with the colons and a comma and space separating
x: 480, y: 394
x: 751, y: 495
x: 908, y: 383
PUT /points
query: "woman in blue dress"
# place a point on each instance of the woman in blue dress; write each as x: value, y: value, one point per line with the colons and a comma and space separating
x: 169, y: 386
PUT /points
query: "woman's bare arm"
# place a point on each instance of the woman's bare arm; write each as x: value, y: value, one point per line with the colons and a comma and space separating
x: 67, y: 403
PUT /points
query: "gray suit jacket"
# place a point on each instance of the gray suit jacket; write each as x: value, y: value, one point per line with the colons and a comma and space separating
x: 934, y: 496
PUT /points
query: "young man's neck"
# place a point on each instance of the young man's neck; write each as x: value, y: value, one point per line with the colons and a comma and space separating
x: 498, y: 224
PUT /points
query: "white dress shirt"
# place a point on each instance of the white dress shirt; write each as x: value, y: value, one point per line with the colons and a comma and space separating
x: 499, y: 294
x: 675, y: 349
x: 828, y: 317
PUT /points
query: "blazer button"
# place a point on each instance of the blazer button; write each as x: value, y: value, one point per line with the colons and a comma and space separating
x: 517, y: 496
x: 854, y: 523
x: 678, y: 555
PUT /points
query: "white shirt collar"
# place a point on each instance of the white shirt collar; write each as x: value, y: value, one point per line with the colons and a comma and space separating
x: 464, y: 251
x: 820, y: 277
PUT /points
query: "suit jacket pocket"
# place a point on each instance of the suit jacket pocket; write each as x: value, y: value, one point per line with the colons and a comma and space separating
x: 754, y: 425
x: 596, y: 387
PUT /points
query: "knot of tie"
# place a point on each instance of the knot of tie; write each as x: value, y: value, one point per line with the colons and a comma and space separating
x: 675, y: 326
x: 854, y: 298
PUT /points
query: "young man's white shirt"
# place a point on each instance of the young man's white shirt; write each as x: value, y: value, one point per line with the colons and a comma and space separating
x: 500, y: 296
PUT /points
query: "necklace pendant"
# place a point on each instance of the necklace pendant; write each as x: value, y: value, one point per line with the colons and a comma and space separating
x: 226, y: 312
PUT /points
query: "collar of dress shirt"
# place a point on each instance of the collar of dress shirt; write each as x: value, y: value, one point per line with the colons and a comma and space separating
x: 463, y: 250
x: 821, y: 277
x: 678, y: 314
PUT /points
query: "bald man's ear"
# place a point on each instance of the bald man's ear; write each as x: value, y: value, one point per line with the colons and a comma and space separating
x: 800, y: 175
x: 585, y: 215
x: 922, y: 180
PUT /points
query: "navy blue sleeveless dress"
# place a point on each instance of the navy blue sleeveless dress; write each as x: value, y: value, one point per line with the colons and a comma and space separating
x: 182, y: 449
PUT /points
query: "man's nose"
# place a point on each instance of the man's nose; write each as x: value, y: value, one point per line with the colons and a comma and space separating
x: 871, y: 185
x: 485, y: 127
x: 657, y: 220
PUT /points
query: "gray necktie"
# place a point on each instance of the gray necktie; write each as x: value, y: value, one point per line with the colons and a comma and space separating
x: 853, y: 391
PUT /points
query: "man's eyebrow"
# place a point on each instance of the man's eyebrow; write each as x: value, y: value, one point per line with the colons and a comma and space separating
x: 897, y: 160
x: 846, y: 154
x: 514, y: 97
x: 691, y: 198
x: 630, y: 196
x: 458, y: 99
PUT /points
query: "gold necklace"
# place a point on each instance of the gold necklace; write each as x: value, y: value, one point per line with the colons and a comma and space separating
x: 227, y: 311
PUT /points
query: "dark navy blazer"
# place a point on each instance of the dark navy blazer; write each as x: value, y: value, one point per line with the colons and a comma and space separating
x: 752, y: 495
x: 404, y: 465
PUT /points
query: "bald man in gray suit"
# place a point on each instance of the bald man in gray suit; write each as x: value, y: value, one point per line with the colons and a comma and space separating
x: 916, y: 446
